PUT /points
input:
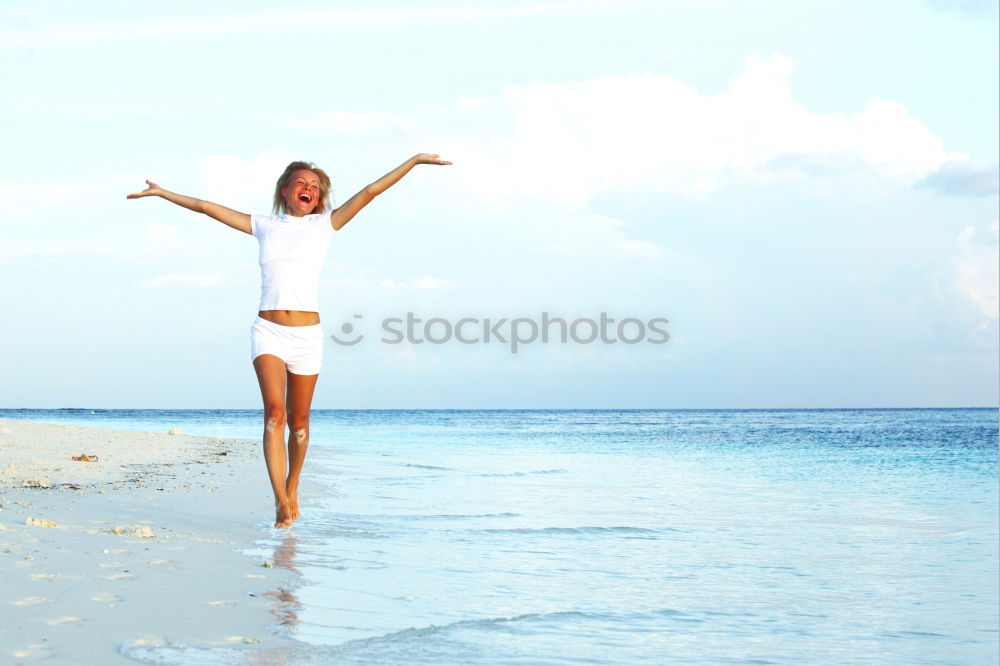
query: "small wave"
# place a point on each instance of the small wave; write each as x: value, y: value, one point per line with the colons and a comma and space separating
x: 442, y: 469
x: 409, y: 645
x: 618, y: 529
x: 459, y: 516
x: 368, y: 518
x: 405, y: 636
x: 532, y: 473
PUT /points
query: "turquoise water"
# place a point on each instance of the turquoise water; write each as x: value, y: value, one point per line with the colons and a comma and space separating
x: 632, y: 537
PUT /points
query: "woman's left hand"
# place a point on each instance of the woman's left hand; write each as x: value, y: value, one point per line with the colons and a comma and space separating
x: 428, y: 158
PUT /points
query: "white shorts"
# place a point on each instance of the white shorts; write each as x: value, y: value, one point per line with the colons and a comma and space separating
x: 300, y: 347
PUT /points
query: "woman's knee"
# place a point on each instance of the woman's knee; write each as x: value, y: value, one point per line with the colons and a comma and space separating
x: 299, y: 425
x: 275, y: 417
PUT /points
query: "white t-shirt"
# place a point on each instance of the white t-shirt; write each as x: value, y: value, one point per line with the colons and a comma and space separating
x: 292, y: 251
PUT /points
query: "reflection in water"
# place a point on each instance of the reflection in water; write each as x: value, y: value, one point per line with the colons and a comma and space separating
x: 285, y: 604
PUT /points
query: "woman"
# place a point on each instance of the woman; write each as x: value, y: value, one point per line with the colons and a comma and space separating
x: 286, y: 338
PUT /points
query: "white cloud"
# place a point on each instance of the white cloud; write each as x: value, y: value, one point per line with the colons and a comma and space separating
x: 977, y: 272
x: 360, y: 289
x: 346, y: 287
x: 421, y: 282
x: 216, y: 26
x: 102, y: 243
x: 239, y: 183
x: 567, y: 143
x: 160, y: 235
x: 33, y: 199
x: 354, y: 125
x: 541, y: 154
x: 623, y: 248
x: 190, y: 280
x: 431, y: 282
x: 900, y: 146
x: 590, y: 234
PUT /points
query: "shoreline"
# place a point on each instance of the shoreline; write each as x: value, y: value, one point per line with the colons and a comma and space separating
x: 155, y: 543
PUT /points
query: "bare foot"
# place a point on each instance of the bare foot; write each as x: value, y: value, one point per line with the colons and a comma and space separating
x: 282, y: 516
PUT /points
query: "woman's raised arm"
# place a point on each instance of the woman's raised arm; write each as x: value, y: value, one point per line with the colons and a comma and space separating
x: 227, y: 216
x: 343, y: 214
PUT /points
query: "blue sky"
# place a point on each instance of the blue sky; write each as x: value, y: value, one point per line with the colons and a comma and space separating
x: 807, y: 191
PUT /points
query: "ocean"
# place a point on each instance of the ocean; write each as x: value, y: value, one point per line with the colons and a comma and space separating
x: 861, y: 536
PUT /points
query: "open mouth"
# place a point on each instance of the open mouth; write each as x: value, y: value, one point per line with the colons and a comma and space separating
x: 305, y: 197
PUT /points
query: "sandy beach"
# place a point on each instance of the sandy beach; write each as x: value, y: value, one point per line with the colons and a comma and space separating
x: 138, y: 547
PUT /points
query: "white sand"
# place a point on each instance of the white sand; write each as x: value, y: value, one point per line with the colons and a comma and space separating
x: 139, y: 547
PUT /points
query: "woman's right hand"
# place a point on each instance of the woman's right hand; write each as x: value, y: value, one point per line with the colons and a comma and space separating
x: 153, y: 190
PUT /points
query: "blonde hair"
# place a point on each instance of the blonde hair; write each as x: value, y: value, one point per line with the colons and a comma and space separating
x: 323, y: 203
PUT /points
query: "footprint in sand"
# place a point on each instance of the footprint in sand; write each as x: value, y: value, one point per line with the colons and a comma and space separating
x: 229, y: 640
x: 118, y: 576
x: 30, y: 601
x: 65, y: 621
x: 32, y: 652
x: 136, y: 531
x: 106, y: 598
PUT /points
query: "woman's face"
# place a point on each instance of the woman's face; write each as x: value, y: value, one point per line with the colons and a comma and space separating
x: 301, y: 195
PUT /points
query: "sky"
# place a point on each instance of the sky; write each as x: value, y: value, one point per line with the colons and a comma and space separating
x: 801, y: 197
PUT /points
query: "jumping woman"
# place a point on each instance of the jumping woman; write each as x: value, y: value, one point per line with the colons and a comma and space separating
x: 286, y: 340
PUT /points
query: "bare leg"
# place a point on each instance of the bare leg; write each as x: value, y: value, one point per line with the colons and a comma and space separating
x: 271, y: 376
x: 299, y: 401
